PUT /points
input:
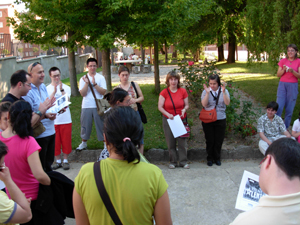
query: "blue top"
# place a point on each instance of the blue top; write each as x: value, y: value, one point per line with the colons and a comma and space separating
x: 36, y: 96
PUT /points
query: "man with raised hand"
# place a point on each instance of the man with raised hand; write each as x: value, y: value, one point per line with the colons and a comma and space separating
x: 36, y: 97
x: 63, y: 121
x: 89, y: 107
x: 280, y: 179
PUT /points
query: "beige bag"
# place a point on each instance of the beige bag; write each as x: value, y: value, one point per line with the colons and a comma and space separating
x: 38, y: 129
x: 102, y: 104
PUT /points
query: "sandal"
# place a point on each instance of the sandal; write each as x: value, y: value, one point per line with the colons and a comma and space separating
x: 186, y: 166
x: 171, y: 166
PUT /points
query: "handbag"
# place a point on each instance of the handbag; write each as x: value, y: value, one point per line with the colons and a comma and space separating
x: 209, y: 116
x: 102, y: 104
x: 185, y: 123
x: 139, y: 106
x: 38, y: 129
x: 104, y: 196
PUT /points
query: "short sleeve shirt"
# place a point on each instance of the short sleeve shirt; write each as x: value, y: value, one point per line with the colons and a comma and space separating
x: 288, y: 76
x: 7, y: 208
x: 296, y: 125
x: 270, y: 128
x: 178, y: 99
x: 88, y: 101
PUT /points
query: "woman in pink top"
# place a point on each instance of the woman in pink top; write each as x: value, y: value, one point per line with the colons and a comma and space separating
x: 23, y: 152
x: 287, y: 92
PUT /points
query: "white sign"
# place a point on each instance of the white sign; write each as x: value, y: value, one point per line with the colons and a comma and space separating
x: 177, y: 126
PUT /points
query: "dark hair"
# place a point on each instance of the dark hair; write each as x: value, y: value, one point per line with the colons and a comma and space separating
x: 121, y: 122
x: 170, y: 75
x: 122, y: 69
x: 118, y: 94
x: 286, y: 153
x: 20, y: 114
x: 272, y: 105
x: 18, y: 76
x: 54, y: 68
x: 216, y: 78
x: 3, y: 149
x: 91, y: 60
x: 294, y: 47
x: 4, y: 107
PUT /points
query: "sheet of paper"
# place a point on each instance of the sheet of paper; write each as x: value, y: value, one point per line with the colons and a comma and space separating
x: 177, y: 126
x: 2, y: 185
x: 59, y: 104
x: 249, y: 192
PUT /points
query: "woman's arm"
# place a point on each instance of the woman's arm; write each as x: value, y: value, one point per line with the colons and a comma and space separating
x: 295, y: 134
x: 161, y: 102
x: 81, y: 216
x: 204, y: 101
x: 37, y: 169
x: 23, y: 211
x: 186, y: 106
x: 225, y: 95
x: 281, y: 71
x: 140, y: 99
x: 295, y: 73
x: 162, y: 212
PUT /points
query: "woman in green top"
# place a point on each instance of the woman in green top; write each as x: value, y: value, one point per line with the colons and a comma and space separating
x: 137, y: 190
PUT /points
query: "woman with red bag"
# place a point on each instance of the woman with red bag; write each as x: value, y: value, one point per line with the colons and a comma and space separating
x: 165, y: 106
x: 215, y: 96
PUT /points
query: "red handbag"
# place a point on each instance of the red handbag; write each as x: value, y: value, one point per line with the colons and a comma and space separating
x: 209, y: 116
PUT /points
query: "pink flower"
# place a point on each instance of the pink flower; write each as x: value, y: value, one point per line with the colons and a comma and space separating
x: 191, y: 63
x: 191, y: 91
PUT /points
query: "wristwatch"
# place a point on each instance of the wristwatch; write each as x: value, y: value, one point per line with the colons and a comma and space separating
x: 38, y: 113
x: 62, y: 90
x: 94, y: 84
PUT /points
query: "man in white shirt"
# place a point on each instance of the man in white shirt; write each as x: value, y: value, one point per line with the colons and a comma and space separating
x: 63, y: 121
x: 280, y: 179
x: 89, y: 107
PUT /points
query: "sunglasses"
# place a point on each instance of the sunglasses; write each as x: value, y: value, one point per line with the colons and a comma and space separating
x: 262, y: 161
x: 33, y: 65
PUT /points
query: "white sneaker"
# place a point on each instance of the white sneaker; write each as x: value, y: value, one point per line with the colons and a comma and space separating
x: 82, y: 146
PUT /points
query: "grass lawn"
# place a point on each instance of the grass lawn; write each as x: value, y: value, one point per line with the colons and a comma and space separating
x: 154, y: 136
x: 244, y: 67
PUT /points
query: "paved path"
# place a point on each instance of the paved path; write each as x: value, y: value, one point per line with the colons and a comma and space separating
x: 201, y: 195
x: 147, y: 78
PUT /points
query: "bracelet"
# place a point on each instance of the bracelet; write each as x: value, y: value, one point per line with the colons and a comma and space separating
x: 62, y: 90
x: 94, y: 84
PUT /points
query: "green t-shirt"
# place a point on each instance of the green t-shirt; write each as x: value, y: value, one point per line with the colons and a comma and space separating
x: 132, y: 188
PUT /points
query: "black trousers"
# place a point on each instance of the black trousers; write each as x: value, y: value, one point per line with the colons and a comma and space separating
x: 214, y: 135
x: 47, y: 153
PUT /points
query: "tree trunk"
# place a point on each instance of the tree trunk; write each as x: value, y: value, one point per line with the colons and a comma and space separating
x: 143, y: 54
x: 156, y: 68
x: 106, y: 68
x: 166, y: 50
x: 72, y: 73
x: 231, y: 46
x: 151, y: 58
x: 162, y: 51
x: 221, y: 53
x: 237, y: 55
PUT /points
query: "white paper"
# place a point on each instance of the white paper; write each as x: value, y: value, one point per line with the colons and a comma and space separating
x: 60, y: 103
x: 249, y: 192
x: 177, y: 126
x: 2, y: 185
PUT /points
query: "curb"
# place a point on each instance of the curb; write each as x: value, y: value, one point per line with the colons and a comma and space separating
x: 159, y: 155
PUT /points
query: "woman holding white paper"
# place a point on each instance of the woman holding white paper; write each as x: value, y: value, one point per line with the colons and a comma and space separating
x: 174, y: 96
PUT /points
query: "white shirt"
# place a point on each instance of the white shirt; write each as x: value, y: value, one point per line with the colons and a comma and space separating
x: 89, y: 100
x: 65, y: 117
x: 296, y: 125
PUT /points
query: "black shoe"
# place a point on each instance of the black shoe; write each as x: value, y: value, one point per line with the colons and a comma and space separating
x: 218, y: 163
x: 209, y: 163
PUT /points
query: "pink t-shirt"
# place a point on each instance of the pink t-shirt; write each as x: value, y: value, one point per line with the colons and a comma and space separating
x: 288, y: 76
x: 16, y: 160
x: 178, y: 99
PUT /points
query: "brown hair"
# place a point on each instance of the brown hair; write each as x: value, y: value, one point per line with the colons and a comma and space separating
x: 294, y: 47
x: 122, y: 69
x: 170, y: 75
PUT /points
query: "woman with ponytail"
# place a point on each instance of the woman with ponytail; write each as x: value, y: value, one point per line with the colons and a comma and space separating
x: 23, y: 153
x: 137, y: 190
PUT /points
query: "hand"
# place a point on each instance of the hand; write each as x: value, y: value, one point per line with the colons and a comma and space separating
x: 4, y: 173
x: 223, y: 86
x: 93, y: 80
x: 85, y: 79
x: 171, y: 117
x: 207, y: 89
x: 132, y: 101
x: 60, y: 85
x: 62, y: 110
x: 183, y: 111
x: 284, y: 67
x: 269, y: 143
x: 290, y: 70
x: 50, y: 116
x: 29, y: 200
x: 47, y: 104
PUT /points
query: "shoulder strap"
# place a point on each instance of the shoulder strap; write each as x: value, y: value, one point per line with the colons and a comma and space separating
x: 92, y: 91
x: 105, y: 198
x: 133, y: 85
x: 218, y: 96
x: 171, y: 100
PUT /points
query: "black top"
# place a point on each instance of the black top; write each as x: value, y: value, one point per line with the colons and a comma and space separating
x: 10, y: 98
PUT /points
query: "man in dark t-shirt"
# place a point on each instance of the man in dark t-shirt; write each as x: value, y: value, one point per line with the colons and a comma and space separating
x: 20, y: 84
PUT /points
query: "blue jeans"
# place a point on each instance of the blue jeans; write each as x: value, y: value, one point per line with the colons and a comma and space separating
x: 286, y: 98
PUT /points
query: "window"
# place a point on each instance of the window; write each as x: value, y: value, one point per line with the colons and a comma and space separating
x: 1, y: 45
x: 31, y: 53
x: 1, y: 24
x: 1, y: 36
x: 29, y: 45
x: 0, y: 13
x: 26, y: 53
x: 25, y: 45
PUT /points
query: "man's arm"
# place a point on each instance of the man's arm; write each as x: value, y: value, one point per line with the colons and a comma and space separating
x: 264, y: 138
x: 287, y: 134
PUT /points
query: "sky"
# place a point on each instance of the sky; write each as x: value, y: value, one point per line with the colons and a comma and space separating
x: 17, y: 7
